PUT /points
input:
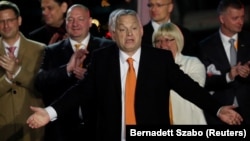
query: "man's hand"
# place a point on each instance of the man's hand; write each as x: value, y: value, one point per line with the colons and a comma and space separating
x: 81, y: 54
x: 76, y: 60
x: 79, y: 72
x: 39, y: 118
x: 233, y: 72
x: 228, y: 115
x: 243, y: 70
x: 10, y: 63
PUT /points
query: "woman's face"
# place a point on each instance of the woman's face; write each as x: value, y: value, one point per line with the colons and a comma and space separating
x: 167, y: 43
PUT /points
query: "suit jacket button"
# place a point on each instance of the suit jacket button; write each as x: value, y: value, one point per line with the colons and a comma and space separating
x: 14, y: 91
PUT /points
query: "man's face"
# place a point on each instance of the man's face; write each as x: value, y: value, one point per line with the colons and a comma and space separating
x: 53, y: 13
x: 128, y: 33
x: 232, y: 21
x: 78, y: 22
x: 9, y: 24
x: 160, y: 10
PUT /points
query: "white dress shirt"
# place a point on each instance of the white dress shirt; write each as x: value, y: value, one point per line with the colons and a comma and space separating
x: 124, y: 68
x: 17, y: 45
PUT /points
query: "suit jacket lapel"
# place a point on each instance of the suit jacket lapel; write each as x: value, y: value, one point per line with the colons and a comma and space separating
x: 22, y: 47
x: 2, y: 52
x: 2, y: 49
x: 243, y: 48
x: 115, y: 70
x: 67, y: 49
x: 220, y: 52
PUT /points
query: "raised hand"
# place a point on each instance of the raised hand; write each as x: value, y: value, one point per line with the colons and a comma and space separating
x: 243, y: 70
x: 10, y: 63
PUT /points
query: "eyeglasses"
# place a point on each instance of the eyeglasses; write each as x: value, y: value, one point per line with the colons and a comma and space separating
x: 158, y: 5
x: 163, y: 41
x: 8, y: 20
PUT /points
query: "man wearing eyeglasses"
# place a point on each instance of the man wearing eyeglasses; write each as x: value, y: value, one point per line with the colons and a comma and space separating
x: 19, y: 62
x: 160, y: 12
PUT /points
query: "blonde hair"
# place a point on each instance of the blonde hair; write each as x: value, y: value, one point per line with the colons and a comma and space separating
x: 170, y: 30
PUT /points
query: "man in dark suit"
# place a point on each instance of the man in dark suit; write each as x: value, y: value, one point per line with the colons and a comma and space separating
x: 160, y: 12
x: 228, y: 83
x: 53, y: 12
x: 58, y: 73
x: 104, y: 86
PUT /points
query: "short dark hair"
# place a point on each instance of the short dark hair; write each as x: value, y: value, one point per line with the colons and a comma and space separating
x: 224, y: 4
x: 59, y: 2
x: 9, y: 5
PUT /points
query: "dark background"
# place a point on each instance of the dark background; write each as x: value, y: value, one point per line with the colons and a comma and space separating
x: 199, y: 16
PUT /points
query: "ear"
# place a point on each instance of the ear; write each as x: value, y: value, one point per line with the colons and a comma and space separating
x: 141, y: 28
x: 64, y: 7
x: 19, y: 20
x: 90, y: 21
x: 171, y: 7
x: 221, y: 19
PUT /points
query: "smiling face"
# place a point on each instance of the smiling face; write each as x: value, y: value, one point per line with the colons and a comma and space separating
x: 128, y: 33
x: 9, y: 24
x: 53, y: 12
x: 232, y: 20
x: 78, y: 22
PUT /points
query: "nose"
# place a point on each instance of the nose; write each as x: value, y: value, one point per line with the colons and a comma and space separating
x: 129, y: 32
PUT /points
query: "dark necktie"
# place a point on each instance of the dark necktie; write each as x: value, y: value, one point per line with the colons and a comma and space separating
x: 130, y: 94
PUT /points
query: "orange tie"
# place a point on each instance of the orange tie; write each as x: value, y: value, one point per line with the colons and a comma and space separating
x: 77, y: 47
x: 130, y: 94
x: 170, y: 111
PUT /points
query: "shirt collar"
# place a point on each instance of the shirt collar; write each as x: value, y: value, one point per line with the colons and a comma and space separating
x: 16, y: 44
x: 156, y: 25
x: 84, y: 42
x: 136, y: 56
x: 225, y: 38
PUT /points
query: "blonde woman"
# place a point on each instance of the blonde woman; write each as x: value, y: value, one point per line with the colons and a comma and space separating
x: 169, y: 37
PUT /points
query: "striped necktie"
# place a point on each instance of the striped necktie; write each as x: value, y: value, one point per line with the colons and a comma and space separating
x: 12, y: 50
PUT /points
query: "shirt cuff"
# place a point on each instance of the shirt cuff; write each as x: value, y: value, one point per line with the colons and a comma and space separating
x: 217, y: 114
x: 228, y: 78
x: 52, y: 113
x: 7, y: 79
x: 19, y: 69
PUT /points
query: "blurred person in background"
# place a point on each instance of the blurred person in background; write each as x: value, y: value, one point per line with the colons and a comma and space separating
x: 53, y: 30
x: 160, y: 12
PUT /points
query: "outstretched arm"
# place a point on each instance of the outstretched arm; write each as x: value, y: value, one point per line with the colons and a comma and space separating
x: 228, y: 115
x: 39, y: 118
